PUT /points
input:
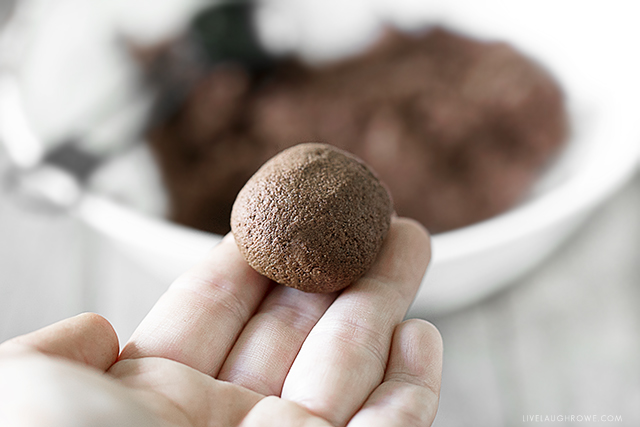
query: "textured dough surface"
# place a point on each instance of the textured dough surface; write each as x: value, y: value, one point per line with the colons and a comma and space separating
x: 458, y: 129
x: 313, y: 218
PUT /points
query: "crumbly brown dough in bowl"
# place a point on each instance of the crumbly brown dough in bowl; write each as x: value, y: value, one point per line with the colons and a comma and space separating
x: 459, y: 129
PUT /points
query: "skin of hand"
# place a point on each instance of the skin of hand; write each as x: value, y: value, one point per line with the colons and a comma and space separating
x: 224, y: 346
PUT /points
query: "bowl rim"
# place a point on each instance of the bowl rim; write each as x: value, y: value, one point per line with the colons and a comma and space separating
x: 610, y: 143
x: 614, y: 141
x: 592, y: 182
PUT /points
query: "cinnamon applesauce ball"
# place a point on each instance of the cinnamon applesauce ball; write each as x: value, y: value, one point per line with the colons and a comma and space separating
x: 313, y: 218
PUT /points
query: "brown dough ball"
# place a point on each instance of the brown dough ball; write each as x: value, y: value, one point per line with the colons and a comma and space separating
x: 313, y: 218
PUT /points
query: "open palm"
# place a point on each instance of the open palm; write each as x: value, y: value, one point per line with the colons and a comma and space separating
x: 225, y: 346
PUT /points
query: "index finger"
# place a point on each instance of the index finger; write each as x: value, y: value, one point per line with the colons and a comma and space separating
x: 200, y: 316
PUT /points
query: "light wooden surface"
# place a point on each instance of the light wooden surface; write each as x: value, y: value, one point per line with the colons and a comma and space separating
x: 562, y: 341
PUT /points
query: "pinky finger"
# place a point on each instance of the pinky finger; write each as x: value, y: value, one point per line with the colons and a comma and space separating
x: 410, y: 391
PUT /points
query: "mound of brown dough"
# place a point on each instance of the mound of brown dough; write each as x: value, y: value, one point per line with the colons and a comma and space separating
x: 458, y: 129
x: 313, y: 218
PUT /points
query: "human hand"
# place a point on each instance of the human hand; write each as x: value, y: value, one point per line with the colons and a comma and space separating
x: 224, y: 346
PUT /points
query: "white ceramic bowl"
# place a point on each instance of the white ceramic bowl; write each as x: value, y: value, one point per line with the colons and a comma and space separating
x: 587, y: 46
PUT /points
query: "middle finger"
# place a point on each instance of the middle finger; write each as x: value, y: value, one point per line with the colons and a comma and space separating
x: 345, y: 356
x: 264, y: 352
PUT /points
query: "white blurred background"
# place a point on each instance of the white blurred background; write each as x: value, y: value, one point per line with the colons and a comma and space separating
x: 561, y: 340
